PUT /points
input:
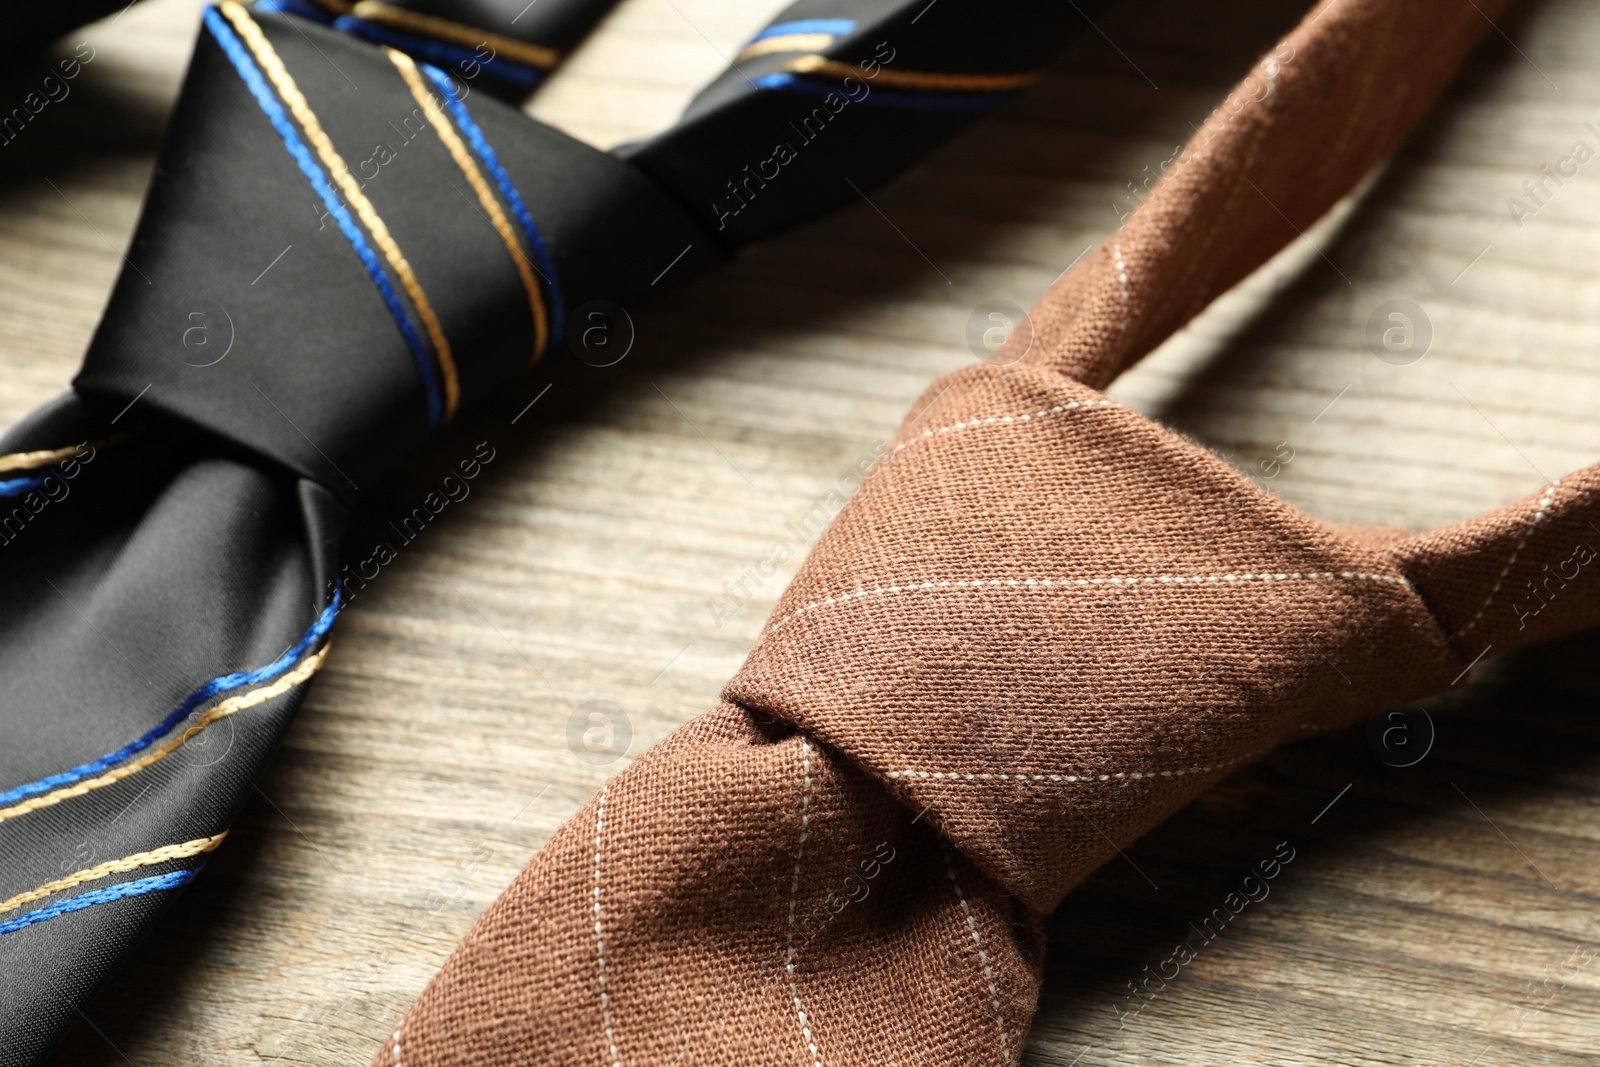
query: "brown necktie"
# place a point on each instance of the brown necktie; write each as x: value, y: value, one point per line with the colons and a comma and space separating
x: 1041, y: 625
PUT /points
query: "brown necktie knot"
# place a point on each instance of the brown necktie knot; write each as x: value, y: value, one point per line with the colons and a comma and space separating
x: 1047, y: 622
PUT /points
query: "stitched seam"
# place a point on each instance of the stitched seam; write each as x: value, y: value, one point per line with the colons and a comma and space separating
x: 497, y: 67
x: 22, y: 486
x: 235, y: 50
x: 1122, y: 282
x: 983, y: 956
x: 901, y: 98
x: 833, y: 27
x: 789, y: 42
x: 101, y: 896
x: 826, y: 26
x: 1538, y: 517
x: 1067, y: 583
x: 21, y: 461
x: 284, y: 82
x: 508, y: 189
x: 126, y: 863
x: 1003, y: 420
x: 469, y: 169
x: 599, y: 930
x: 794, y: 899
x: 221, y: 711
x: 1023, y: 776
x: 533, y: 55
x: 913, y: 79
x: 215, y: 687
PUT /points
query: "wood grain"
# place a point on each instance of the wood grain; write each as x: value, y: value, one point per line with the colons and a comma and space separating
x: 1445, y: 913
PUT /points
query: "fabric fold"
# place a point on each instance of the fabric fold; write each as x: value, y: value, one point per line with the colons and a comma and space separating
x: 1050, y: 623
x: 1041, y: 625
x: 788, y: 909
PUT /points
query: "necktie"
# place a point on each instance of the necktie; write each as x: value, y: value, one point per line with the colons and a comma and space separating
x: 513, y: 45
x: 1041, y: 625
x: 343, y: 246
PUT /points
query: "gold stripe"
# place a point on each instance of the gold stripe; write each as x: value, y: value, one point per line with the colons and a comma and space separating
x: 284, y: 83
x: 110, y: 867
x: 400, y: 18
x: 307, y: 668
x: 443, y: 126
x: 21, y: 461
x: 789, y: 42
x: 911, y: 79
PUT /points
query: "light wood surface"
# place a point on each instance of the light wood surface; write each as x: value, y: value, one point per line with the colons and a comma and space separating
x: 1445, y: 913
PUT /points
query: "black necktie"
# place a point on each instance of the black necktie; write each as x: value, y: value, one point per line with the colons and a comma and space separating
x: 343, y: 245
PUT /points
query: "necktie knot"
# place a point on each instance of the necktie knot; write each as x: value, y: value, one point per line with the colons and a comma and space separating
x: 343, y: 246
x: 1047, y: 622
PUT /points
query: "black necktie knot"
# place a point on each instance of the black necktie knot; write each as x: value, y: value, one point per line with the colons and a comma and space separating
x: 343, y: 246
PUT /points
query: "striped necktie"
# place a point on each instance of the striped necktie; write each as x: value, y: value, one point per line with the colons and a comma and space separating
x: 346, y: 243
x: 1041, y: 625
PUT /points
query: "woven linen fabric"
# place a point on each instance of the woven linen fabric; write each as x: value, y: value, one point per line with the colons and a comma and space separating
x: 1041, y: 625
x: 344, y: 245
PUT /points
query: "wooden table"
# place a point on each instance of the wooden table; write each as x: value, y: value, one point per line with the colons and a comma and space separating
x: 1443, y: 913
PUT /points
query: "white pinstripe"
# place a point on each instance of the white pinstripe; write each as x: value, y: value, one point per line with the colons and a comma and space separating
x: 1023, y: 776
x: 1538, y: 517
x: 794, y: 898
x: 599, y: 931
x: 983, y: 957
x: 1072, y: 583
x: 1003, y: 420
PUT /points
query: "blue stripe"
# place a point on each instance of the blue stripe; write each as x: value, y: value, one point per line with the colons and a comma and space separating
x: 303, y: 8
x: 793, y: 83
x: 220, y: 684
x: 246, y: 67
x: 119, y: 891
x: 836, y: 27
x: 506, y: 70
x: 18, y: 486
x: 480, y: 145
x: 112, y: 458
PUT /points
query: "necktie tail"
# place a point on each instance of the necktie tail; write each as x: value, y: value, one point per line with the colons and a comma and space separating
x: 1516, y: 576
x: 786, y: 911
x: 832, y: 99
